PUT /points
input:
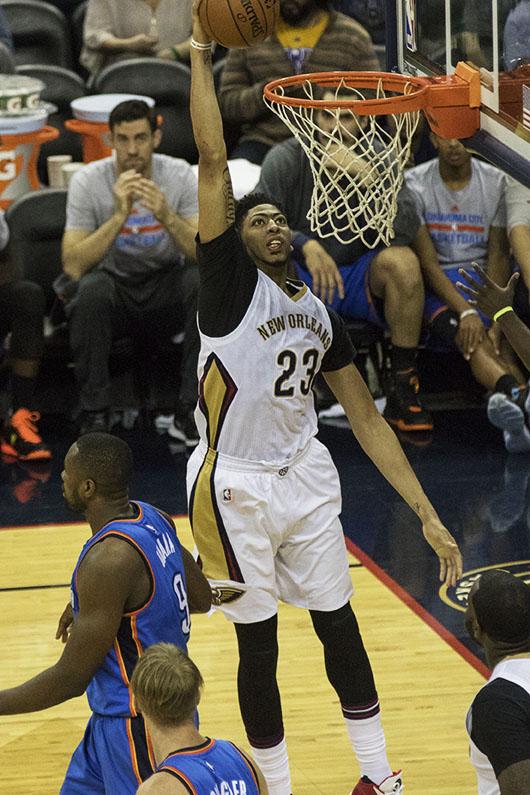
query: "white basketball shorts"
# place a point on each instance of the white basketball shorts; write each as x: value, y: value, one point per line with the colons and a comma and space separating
x: 267, y: 533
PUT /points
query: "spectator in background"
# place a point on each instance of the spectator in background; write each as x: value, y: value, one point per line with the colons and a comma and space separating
x: 118, y: 29
x: 22, y: 314
x: 131, y: 221
x: 461, y: 204
x: 5, y: 33
x: 369, y: 13
x: 381, y: 285
x: 167, y: 685
x: 516, y: 36
x: 310, y: 37
x: 498, y: 721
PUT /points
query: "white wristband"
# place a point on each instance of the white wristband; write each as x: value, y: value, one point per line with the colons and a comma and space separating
x: 468, y: 313
x: 199, y: 45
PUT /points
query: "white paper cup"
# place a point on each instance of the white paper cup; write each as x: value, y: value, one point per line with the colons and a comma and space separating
x: 54, y: 164
x: 68, y: 171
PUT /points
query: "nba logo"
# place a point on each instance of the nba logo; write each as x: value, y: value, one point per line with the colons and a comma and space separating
x: 227, y: 495
x: 410, y: 25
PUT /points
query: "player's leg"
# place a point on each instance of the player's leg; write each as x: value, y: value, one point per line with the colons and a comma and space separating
x: 84, y: 771
x: 259, y: 701
x: 395, y: 279
x: 313, y: 572
x: 113, y: 757
x: 236, y: 538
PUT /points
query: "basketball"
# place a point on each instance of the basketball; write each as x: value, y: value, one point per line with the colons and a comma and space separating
x: 238, y: 23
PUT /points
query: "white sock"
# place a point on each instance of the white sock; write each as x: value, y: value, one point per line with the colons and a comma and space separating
x: 368, y: 740
x: 274, y: 764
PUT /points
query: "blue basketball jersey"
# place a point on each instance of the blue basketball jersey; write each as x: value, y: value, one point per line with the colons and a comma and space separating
x: 164, y: 617
x: 217, y: 767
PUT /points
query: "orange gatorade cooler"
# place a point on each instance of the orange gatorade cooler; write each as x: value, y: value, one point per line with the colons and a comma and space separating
x: 91, y: 117
x: 20, y: 141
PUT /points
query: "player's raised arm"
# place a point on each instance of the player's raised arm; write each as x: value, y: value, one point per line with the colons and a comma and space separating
x: 380, y: 444
x: 216, y: 200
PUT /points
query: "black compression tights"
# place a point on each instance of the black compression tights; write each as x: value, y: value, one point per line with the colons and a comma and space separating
x: 347, y: 667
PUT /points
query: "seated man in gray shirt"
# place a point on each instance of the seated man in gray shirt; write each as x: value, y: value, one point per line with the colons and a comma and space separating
x: 382, y: 285
x: 130, y: 225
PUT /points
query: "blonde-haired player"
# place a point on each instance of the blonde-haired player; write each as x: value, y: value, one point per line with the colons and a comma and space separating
x: 167, y: 686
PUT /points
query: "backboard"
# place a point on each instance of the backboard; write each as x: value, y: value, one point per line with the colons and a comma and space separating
x: 429, y: 37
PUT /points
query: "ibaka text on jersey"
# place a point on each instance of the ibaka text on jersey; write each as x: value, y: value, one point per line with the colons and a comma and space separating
x: 294, y: 321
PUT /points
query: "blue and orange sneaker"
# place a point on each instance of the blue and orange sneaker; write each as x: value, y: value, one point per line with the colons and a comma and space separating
x: 21, y: 439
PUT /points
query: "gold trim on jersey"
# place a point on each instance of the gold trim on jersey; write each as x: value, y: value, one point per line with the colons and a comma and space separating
x: 216, y: 393
x: 217, y: 556
x: 301, y: 289
x: 217, y: 390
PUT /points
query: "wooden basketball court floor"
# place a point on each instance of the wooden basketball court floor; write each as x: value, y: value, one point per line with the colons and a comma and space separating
x: 425, y: 686
x: 413, y: 631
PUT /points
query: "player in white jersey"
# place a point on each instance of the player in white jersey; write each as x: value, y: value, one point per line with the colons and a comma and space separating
x: 498, y: 722
x: 264, y: 493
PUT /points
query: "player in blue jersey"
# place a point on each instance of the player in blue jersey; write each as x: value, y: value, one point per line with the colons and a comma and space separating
x: 167, y: 688
x: 133, y: 586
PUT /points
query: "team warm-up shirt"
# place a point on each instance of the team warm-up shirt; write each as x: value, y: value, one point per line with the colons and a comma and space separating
x: 143, y: 245
x: 163, y: 618
x: 459, y: 220
x: 498, y: 723
x: 260, y: 352
x: 216, y: 767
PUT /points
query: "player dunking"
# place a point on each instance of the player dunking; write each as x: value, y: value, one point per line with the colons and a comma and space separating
x: 167, y: 686
x: 264, y: 494
x: 133, y: 585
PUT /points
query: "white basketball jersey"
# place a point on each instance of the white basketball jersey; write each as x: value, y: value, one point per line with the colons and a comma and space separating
x: 255, y: 396
x: 518, y: 672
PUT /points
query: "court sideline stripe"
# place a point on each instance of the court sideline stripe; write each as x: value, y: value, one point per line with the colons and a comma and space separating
x: 75, y: 523
x: 33, y: 587
x: 420, y: 611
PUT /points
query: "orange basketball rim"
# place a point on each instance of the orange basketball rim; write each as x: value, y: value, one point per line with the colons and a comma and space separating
x: 357, y: 128
x: 450, y: 102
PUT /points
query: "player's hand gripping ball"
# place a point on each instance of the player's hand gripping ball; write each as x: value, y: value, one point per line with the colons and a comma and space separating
x: 238, y: 23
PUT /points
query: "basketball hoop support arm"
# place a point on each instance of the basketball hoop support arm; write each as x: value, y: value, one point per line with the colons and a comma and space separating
x: 452, y: 105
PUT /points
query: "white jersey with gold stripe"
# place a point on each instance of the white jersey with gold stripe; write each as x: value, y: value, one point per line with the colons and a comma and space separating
x: 255, y: 397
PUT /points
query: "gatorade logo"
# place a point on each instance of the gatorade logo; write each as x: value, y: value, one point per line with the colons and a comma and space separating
x: 457, y: 596
x: 8, y: 165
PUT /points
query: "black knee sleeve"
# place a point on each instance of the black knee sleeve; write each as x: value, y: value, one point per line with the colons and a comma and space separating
x: 347, y: 664
x: 259, y: 697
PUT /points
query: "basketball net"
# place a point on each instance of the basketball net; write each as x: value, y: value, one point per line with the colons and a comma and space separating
x: 357, y: 161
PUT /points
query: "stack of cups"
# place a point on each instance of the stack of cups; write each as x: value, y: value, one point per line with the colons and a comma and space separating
x: 61, y: 170
x: 68, y: 170
x: 55, y: 164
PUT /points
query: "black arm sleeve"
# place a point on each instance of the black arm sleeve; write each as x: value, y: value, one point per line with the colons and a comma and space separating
x: 341, y: 351
x: 228, y: 279
x: 500, y: 726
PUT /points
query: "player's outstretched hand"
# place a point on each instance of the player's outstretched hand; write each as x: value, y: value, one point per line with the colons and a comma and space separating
x: 484, y: 293
x: 446, y: 548
x: 65, y: 622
